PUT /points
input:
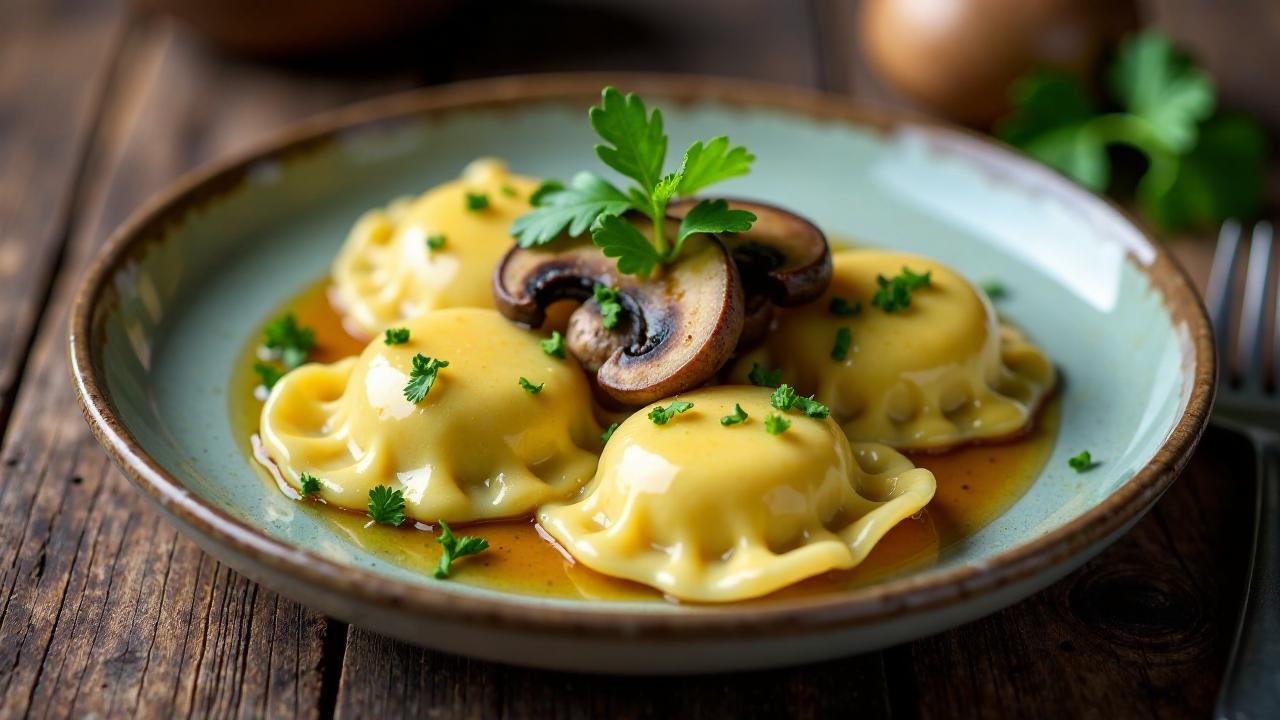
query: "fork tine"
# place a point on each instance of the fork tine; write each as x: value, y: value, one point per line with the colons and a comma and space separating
x: 1249, y: 336
x: 1221, y: 280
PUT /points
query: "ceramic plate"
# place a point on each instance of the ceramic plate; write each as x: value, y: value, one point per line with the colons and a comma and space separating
x: 165, y: 311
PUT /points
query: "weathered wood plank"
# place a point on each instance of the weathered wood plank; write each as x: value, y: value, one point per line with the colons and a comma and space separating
x: 104, y: 609
x: 54, y: 57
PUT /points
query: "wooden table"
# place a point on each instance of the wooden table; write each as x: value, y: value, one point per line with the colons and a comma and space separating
x: 106, y: 610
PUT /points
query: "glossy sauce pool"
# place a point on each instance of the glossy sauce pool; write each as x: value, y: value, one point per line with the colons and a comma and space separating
x: 975, y: 485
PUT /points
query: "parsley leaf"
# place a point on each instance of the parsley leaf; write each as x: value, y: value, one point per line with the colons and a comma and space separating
x: 268, y: 374
x: 509, y: 191
x: 456, y: 547
x: 761, y: 376
x: 661, y: 415
x: 895, y: 293
x: 1156, y: 83
x: 712, y: 216
x: 477, y: 201
x: 738, y: 417
x: 1050, y: 122
x: 422, y: 377
x: 610, y: 308
x: 636, y: 143
x: 608, y: 433
x: 711, y: 163
x: 993, y: 289
x: 1081, y: 462
x: 618, y: 238
x: 576, y: 208
x: 436, y: 241
x: 386, y: 506
x: 554, y: 345
x: 844, y: 341
x: 292, y: 342
x: 775, y: 424
x: 783, y: 398
x: 310, y: 485
x: 530, y: 387
x: 841, y: 307
x: 812, y: 408
x: 396, y: 336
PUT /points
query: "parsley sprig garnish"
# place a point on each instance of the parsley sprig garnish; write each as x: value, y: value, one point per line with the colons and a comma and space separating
x: 310, y: 485
x: 289, y: 343
x: 775, y: 424
x: 456, y: 547
x: 662, y: 415
x: 894, y: 293
x: 610, y: 308
x: 386, y: 506
x: 396, y: 336
x: 786, y: 397
x: 422, y: 377
x: 635, y: 145
x: 554, y: 345
x: 738, y: 417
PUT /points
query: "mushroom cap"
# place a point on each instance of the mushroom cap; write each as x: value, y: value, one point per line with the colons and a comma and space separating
x: 783, y: 256
x: 677, y: 329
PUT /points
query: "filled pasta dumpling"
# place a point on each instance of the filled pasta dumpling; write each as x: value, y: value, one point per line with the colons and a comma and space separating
x: 938, y: 372
x: 430, y: 252
x: 711, y: 512
x: 479, y: 443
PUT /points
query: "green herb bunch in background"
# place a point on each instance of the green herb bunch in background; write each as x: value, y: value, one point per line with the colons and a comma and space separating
x: 1203, y: 166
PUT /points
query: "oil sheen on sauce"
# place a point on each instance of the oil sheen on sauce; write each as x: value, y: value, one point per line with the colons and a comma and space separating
x: 975, y: 485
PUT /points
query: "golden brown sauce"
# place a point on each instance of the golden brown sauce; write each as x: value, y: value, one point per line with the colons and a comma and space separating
x: 975, y: 485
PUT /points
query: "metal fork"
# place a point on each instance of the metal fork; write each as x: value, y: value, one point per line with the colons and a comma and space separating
x: 1246, y: 404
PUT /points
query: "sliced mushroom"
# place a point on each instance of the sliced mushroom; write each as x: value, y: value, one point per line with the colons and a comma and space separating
x: 783, y: 256
x: 677, y: 327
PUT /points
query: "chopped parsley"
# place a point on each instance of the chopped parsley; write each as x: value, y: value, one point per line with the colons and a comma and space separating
x: 842, y: 308
x: 530, y: 387
x: 288, y: 340
x: 608, y: 433
x: 634, y: 144
x: 662, y: 415
x: 396, y: 336
x: 477, y: 201
x: 269, y: 374
x: 436, y: 241
x: 455, y: 548
x: 386, y: 506
x: 610, y: 308
x: 993, y: 289
x: 508, y: 191
x: 1082, y: 462
x: 775, y: 424
x: 310, y: 485
x: 422, y: 377
x: 812, y: 408
x: 783, y: 398
x: 894, y: 293
x: 844, y: 341
x: 738, y: 417
x: 761, y: 376
x: 554, y: 345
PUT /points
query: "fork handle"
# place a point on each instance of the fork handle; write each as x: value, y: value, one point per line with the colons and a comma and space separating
x: 1251, y: 685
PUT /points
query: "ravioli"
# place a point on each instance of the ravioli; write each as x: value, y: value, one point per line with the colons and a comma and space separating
x: 386, y: 271
x: 478, y: 446
x: 711, y: 513
x: 942, y: 372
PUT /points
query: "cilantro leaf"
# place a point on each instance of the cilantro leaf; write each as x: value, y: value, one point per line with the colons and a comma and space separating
x: 619, y: 239
x: 608, y: 433
x: 761, y: 376
x: 530, y: 387
x: 386, y: 506
x: 575, y: 208
x: 712, y: 216
x: 1154, y: 82
x: 1081, y: 462
x: 812, y: 408
x: 662, y: 415
x: 289, y: 340
x: 610, y: 308
x: 775, y: 424
x: 738, y: 417
x: 783, y: 398
x: 844, y: 341
x: 268, y: 374
x: 310, y: 485
x: 711, y: 163
x: 396, y: 336
x: 422, y: 377
x: 554, y: 345
x: 841, y: 307
x: 637, y: 144
x: 456, y: 547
